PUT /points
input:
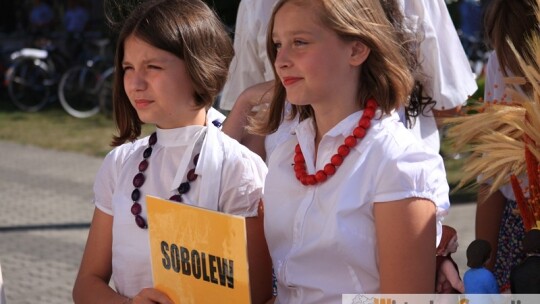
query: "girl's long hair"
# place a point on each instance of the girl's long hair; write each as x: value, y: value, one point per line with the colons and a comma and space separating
x: 385, y: 75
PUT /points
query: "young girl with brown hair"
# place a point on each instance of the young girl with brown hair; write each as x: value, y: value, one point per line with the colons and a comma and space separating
x: 171, y: 61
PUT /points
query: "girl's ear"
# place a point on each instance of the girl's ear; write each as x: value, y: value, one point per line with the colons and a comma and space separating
x: 359, y: 53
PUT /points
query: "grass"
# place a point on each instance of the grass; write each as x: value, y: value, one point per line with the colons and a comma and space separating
x: 53, y: 128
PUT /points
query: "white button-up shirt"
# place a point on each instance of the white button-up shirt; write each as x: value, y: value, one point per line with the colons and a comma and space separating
x: 322, y: 238
x: 230, y: 179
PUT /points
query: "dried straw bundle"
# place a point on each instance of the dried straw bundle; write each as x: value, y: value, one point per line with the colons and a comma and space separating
x: 503, y: 140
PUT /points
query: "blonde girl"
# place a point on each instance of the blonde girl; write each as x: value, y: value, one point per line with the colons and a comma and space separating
x: 351, y: 196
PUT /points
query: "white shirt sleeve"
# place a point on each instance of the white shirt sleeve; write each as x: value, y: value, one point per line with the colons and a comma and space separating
x: 107, y: 177
x: 104, y: 184
x: 413, y: 172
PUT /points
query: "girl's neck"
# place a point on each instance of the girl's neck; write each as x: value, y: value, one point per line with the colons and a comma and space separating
x: 329, y: 115
x: 193, y: 118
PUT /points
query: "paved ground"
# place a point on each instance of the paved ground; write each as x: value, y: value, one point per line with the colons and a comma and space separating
x: 45, y: 209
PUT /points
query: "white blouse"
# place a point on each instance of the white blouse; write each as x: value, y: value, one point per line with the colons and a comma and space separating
x: 322, y: 238
x: 230, y: 179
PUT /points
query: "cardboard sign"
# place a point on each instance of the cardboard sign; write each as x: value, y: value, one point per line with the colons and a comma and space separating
x: 201, y: 256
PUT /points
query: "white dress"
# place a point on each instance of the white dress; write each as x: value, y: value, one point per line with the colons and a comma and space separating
x: 322, y: 238
x: 250, y: 65
x: 230, y: 179
x: 446, y: 73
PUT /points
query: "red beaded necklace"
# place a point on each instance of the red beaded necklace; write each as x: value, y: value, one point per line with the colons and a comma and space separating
x: 337, y: 159
x: 139, y: 179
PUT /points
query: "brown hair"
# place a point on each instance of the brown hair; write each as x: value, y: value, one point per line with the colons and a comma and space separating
x: 384, y: 75
x: 447, y: 234
x: 478, y: 253
x: 510, y: 21
x: 188, y: 29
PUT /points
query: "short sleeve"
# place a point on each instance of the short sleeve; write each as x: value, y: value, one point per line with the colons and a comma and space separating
x: 104, y: 184
x: 242, y: 181
x: 413, y: 171
x: 107, y: 177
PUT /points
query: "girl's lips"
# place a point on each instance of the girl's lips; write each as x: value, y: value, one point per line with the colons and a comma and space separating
x: 142, y: 103
x: 287, y: 81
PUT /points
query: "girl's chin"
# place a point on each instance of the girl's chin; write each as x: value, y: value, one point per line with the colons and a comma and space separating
x: 145, y: 118
x: 298, y: 102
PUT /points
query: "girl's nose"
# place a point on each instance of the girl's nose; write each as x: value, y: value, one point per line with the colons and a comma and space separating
x: 134, y: 81
x: 282, y: 59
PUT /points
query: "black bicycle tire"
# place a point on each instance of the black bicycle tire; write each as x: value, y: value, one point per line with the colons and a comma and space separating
x: 68, y: 101
x: 43, y: 90
x: 105, y: 91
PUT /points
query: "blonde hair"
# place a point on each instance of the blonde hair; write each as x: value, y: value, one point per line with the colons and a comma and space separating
x: 385, y: 75
x: 188, y: 29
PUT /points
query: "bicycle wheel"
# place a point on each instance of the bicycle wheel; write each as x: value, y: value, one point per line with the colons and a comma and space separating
x: 78, y: 91
x: 105, y: 92
x: 29, y: 83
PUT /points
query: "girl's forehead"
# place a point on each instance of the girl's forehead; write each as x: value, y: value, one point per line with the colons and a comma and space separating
x: 296, y: 15
x: 294, y: 7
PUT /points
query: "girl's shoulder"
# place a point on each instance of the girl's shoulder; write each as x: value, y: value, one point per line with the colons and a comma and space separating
x: 120, y: 154
x: 236, y: 153
x: 391, y: 138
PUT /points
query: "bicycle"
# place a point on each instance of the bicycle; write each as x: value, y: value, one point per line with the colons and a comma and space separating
x: 86, y: 89
x: 33, y: 75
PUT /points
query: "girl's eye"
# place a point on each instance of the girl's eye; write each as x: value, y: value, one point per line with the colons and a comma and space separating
x: 277, y: 45
x: 299, y: 42
x: 154, y: 67
x: 126, y: 68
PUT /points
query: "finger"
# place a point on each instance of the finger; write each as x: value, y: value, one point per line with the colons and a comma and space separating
x: 152, y: 295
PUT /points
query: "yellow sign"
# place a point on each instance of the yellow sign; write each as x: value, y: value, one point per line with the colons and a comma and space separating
x: 198, y: 255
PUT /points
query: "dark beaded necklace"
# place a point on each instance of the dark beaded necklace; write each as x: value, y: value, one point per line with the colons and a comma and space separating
x: 139, y: 179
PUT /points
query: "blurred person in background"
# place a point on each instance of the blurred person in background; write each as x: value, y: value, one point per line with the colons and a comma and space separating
x: 75, y: 21
x: 525, y: 277
x: 448, y: 279
x: 496, y: 222
x: 41, y: 17
x: 76, y: 17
